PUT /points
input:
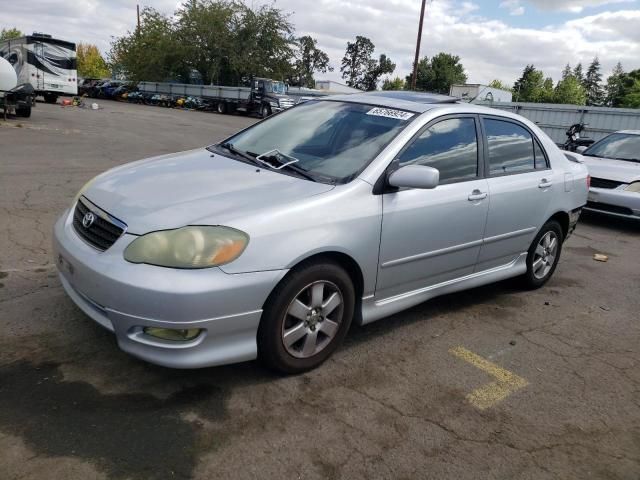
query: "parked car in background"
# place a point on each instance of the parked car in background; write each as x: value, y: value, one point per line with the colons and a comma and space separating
x: 614, y: 165
x: 339, y: 210
x: 85, y: 85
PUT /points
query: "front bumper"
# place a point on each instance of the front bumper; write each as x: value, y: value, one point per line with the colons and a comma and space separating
x: 125, y: 297
x: 617, y: 202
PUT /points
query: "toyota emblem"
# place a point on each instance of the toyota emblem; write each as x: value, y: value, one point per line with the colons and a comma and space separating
x: 88, y: 219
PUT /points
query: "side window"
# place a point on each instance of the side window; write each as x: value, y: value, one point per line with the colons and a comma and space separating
x: 510, y: 147
x: 450, y: 146
x: 541, y: 160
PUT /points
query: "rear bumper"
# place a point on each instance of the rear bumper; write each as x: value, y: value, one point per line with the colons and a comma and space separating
x: 125, y: 298
x: 616, y: 202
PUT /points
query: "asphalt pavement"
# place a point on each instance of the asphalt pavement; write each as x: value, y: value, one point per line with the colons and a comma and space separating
x: 496, y: 382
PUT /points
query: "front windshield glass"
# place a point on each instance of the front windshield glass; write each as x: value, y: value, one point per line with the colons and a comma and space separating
x: 278, y: 87
x: 621, y: 146
x: 330, y: 139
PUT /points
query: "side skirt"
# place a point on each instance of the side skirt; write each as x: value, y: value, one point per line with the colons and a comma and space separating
x: 374, y: 309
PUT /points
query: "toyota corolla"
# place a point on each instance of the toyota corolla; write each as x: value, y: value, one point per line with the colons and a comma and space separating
x: 347, y: 209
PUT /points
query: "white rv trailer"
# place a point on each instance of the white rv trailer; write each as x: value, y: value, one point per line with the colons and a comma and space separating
x: 48, y: 64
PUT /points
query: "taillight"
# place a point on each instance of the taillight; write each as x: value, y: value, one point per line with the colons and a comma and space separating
x: 588, y: 181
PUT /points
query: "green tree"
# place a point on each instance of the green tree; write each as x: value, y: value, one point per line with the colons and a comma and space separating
x: 566, y: 71
x: 308, y: 60
x: 9, y: 33
x: 360, y: 69
x: 91, y: 64
x: 222, y: 40
x: 357, y: 61
x: 152, y: 52
x: 547, y: 94
x: 499, y: 84
x: 530, y: 86
x: 613, y: 88
x: 263, y: 42
x: 393, y: 84
x: 595, y: 95
x: 577, y: 72
x: 438, y: 74
x: 570, y: 90
x: 630, y: 94
x: 203, y: 29
x: 376, y: 69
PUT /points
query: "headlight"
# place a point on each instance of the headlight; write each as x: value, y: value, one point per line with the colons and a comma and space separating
x: 188, y: 247
x: 633, y: 187
x: 275, y: 104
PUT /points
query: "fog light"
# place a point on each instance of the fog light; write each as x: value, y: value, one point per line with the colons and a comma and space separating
x: 175, y: 335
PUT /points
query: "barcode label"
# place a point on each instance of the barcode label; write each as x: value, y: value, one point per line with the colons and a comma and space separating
x: 390, y: 113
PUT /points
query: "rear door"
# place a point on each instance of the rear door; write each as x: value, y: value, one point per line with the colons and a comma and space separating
x: 521, y: 188
x: 431, y: 236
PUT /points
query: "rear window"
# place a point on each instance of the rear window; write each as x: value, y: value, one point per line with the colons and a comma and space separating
x: 510, y: 147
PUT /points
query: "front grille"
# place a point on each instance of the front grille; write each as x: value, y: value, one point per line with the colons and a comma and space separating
x: 286, y: 103
x: 102, y: 232
x: 604, y: 183
x: 607, y: 207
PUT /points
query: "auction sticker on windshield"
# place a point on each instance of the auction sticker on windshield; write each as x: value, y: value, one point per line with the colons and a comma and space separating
x: 390, y: 113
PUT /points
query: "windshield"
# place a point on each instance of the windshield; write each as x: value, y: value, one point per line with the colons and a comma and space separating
x: 278, y: 87
x: 331, y: 139
x: 621, y: 146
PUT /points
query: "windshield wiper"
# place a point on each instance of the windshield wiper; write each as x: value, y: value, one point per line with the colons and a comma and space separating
x: 272, y: 159
x: 246, y: 155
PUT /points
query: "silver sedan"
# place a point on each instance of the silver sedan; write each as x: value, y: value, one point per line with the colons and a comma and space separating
x: 614, y: 165
x: 347, y: 209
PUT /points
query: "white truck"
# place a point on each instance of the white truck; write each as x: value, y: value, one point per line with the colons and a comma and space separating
x: 264, y: 96
x: 47, y: 63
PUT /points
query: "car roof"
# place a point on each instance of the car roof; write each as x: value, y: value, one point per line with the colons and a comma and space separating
x: 418, y: 102
x: 629, y: 132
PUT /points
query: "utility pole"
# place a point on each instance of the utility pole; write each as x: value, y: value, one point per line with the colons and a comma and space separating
x: 138, y: 13
x: 415, y: 62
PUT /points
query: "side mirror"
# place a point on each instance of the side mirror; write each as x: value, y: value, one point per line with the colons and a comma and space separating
x: 415, y: 176
x: 580, y: 149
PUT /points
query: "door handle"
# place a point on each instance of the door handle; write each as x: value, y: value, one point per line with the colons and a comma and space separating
x: 477, y: 195
x: 544, y: 183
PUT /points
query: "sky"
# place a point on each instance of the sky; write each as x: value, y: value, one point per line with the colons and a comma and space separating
x: 495, y: 39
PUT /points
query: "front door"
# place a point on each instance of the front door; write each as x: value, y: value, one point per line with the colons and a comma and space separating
x: 521, y: 186
x: 431, y: 236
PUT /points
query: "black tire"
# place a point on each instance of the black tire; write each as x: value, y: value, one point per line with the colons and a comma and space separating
x: 531, y: 278
x: 265, y: 111
x: 50, y: 98
x: 24, y: 112
x: 271, y: 348
x: 221, y: 108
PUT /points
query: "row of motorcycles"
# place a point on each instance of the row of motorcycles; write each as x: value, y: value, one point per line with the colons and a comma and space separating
x: 126, y: 92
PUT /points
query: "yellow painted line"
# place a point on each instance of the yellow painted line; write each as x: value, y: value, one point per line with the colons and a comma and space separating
x: 487, y: 396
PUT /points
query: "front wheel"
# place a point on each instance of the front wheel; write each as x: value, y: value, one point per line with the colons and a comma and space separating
x: 306, y: 317
x: 265, y: 111
x: 543, y: 255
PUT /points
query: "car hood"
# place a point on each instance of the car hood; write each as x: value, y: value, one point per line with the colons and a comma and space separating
x: 195, y: 187
x: 610, y: 169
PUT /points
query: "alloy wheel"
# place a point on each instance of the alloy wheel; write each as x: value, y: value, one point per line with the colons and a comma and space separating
x: 545, y: 255
x: 312, y: 319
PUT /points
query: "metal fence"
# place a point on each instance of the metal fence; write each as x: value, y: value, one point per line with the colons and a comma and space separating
x: 554, y: 119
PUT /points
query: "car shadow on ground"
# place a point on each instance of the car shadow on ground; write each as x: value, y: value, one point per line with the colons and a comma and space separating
x: 596, y: 219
